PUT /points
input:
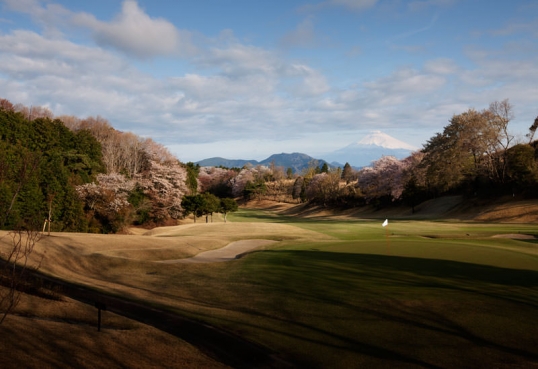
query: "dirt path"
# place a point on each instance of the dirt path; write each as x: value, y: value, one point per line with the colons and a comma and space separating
x: 230, y: 252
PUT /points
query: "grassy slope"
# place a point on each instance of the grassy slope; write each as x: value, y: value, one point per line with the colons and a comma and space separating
x: 336, y: 293
x: 457, y: 300
x: 45, y: 333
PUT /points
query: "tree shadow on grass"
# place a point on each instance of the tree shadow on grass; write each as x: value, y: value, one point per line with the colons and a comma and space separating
x: 385, y: 285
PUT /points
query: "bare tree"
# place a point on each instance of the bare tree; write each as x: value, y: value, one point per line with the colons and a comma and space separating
x: 34, y: 112
x: 14, y: 261
x: 500, y: 114
x: 71, y: 122
x: 15, y: 266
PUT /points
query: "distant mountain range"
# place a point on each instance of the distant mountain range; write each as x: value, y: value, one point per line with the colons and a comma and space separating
x: 358, y: 154
x: 295, y: 161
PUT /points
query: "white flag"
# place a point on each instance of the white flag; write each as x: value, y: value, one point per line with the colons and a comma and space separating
x: 385, y: 223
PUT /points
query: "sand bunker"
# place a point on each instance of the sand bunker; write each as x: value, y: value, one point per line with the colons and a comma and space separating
x: 227, y: 253
x: 515, y: 236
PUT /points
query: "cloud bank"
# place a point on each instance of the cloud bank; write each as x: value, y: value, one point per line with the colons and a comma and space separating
x: 231, y: 90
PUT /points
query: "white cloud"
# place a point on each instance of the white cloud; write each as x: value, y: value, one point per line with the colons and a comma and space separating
x: 49, y: 16
x: 443, y: 66
x: 236, y: 60
x: 137, y: 34
x: 235, y: 91
x: 310, y: 81
x: 25, y: 54
x: 132, y: 31
x: 302, y: 36
x: 513, y: 27
x: 406, y: 81
x: 424, y: 4
x: 354, y: 4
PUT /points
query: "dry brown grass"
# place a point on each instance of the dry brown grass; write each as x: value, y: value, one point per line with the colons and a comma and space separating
x: 501, y: 210
x: 61, y: 334
x: 45, y: 333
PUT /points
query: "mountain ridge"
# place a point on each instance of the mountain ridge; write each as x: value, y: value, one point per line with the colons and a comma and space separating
x: 370, y: 148
x: 296, y: 161
x: 381, y: 139
x: 358, y: 154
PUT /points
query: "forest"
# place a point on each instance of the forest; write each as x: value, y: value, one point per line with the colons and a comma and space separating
x: 82, y: 175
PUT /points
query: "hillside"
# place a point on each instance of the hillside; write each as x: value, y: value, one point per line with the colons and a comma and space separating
x: 501, y: 210
x: 296, y: 161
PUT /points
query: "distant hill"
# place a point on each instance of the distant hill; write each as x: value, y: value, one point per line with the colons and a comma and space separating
x: 296, y: 161
x: 228, y: 163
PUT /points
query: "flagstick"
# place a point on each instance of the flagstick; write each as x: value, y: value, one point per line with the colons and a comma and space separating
x: 386, y: 226
x: 387, y: 237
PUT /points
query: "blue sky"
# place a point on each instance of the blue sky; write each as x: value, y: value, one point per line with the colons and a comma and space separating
x: 250, y: 78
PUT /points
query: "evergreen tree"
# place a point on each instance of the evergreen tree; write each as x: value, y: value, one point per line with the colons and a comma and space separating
x: 347, y: 173
x: 228, y: 205
x: 192, y: 177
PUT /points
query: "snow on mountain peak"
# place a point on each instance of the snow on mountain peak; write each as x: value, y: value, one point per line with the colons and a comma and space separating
x: 378, y: 138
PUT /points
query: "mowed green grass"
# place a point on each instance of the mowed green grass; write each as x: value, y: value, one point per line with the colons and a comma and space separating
x: 415, y: 294
x: 352, y: 294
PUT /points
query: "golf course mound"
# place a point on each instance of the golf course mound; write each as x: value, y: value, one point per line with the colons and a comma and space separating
x: 516, y: 236
x: 230, y: 252
x: 501, y: 210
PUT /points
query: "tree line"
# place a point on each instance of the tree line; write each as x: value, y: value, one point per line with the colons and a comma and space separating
x: 474, y: 155
x: 83, y: 175
x: 86, y: 176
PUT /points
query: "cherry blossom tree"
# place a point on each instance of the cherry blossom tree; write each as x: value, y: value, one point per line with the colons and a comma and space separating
x: 248, y: 175
x: 164, y: 184
x: 216, y: 180
x: 383, y: 180
x: 324, y: 187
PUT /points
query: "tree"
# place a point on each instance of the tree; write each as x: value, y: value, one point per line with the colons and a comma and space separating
x: 298, y: 188
x: 414, y: 179
x: 164, y: 185
x: 6, y: 105
x: 254, y: 189
x: 523, y: 169
x: 18, y: 173
x: 289, y: 173
x: 107, y: 202
x: 347, y: 174
x: 324, y: 187
x: 210, y: 205
x: 384, y: 181
x: 15, y: 266
x: 532, y: 130
x: 228, y: 205
x: 474, y: 144
x: 216, y: 181
x: 192, y: 177
x: 192, y: 204
x: 500, y: 114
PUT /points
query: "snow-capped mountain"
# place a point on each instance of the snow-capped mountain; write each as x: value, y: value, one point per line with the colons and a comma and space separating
x: 370, y: 148
x: 378, y: 138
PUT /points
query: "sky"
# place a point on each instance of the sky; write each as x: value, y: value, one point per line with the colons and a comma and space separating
x: 245, y: 79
